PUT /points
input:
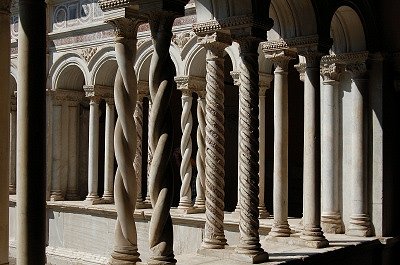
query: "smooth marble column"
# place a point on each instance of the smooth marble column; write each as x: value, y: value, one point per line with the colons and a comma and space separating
x: 4, y: 128
x: 31, y: 137
x: 280, y: 227
x: 312, y: 233
x: 72, y: 184
x: 108, y: 194
x: 360, y: 223
x: 55, y: 192
x: 214, y: 237
x: 93, y: 163
x: 13, y: 146
x: 331, y: 220
x: 265, y: 80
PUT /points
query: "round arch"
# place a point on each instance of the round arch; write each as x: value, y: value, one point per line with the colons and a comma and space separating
x: 68, y: 72
x: 104, y: 68
x: 347, y: 31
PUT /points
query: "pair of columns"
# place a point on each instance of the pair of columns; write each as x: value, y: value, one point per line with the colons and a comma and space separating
x: 65, y: 131
x: 189, y: 85
x: 264, y: 85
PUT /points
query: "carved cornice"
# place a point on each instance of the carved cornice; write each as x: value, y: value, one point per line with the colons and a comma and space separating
x: 111, y: 4
x: 272, y: 46
x: 98, y: 91
x: 232, y: 23
x: 5, y: 6
x: 63, y: 95
x: 190, y: 83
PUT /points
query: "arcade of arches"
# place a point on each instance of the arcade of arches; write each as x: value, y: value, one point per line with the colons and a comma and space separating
x: 227, y: 132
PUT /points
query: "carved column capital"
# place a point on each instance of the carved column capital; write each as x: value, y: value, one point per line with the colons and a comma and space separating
x: 331, y: 69
x: 355, y: 63
x: 125, y: 29
x: 216, y: 42
x: 264, y: 83
x: 183, y: 84
x: 235, y: 75
x: 248, y: 44
x: 5, y: 6
x: 301, y: 68
x: 279, y: 53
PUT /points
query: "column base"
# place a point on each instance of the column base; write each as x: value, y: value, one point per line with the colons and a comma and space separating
x: 72, y: 196
x: 184, y: 204
x: 360, y: 225
x: 162, y: 260
x: 12, y: 190
x: 331, y: 223
x: 200, y: 204
x: 313, y: 237
x: 189, y: 210
x: 91, y: 197
x: 280, y: 230
x: 219, y: 242
x: 125, y: 257
x: 143, y: 205
x: 262, y: 212
x: 56, y: 196
x: 232, y: 254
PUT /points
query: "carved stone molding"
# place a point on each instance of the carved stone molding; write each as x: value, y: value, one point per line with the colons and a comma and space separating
x: 331, y: 68
x: 271, y: 46
x: 191, y: 83
x: 88, y: 53
x: 235, y: 22
x: 98, y: 91
x: 110, y: 4
x: 182, y: 38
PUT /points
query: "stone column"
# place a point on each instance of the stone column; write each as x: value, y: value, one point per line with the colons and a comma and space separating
x: 201, y: 151
x: 185, y: 201
x: 235, y: 75
x: 93, y: 158
x: 280, y: 227
x: 249, y: 243
x: 31, y: 138
x: 214, y: 236
x: 4, y: 128
x: 139, y: 157
x: 265, y: 81
x: 108, y: 194
x: 125, y: 140
x: 149, y: 156
x: 301, y: 68
x: 331, y: 220
x: 161, y: 84
x: 360, y: 223
x: 312, y: 233
x: 72, y: 184
x: 55, y: 192
x: 13, y: 144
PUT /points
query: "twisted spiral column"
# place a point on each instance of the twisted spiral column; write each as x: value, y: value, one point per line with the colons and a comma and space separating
x: 161, y: 177
x: 201, y: 152
x: 186, y: 150
x: 149, y: 155
x: 139, y: 137
x: 249, y: 147
x: 215, y: 147
x: 125, y: 188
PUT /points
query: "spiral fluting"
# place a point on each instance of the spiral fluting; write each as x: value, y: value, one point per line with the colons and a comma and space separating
x: 161, y: 137
x: 186, y: 151
x: 138, y: 157
x: 248, y: 153
x: 215, y: 152
x: 125, y: 189
x: 201, y: 154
